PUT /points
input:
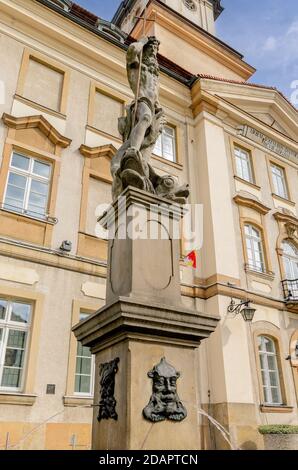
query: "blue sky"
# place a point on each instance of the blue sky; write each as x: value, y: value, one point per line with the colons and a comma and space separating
x: 265, y: 31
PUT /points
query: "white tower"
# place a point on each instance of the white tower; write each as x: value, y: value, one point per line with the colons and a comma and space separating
x: 202, y: 13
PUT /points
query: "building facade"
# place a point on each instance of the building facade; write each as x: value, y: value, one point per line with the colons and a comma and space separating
x: 63, y: 87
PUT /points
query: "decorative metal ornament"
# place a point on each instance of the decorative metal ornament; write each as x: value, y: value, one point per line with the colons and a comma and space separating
x: 107, y: 404
x: 190, y: 4
x: 164, y: 402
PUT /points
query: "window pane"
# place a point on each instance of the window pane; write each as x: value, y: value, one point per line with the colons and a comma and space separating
x: 82, y: 384
x: 15, y: 193
x: 11, y: 377
x: 273, y: 379
x: 247, y: 229
x: 39, y: 187
x: 41, y: 169
x: 83, y: 351
x: 21, y: 162
x: 238, y: 167
x: 3, y: 305
x: 264, y: 379
x: 168, y: 147
x: 170, y: 131
x: 12, y: 204
x: 263, y: 361
x: 83, y: 365
x: 290, y: 249
x: 269, y: 345
x: 20, y: 313
x: 267, y: 395
x: 16, y: 339
x: 158, y: 147
x: 17, y: 180
x: 37, y: 200
x: 14, y: 357
x: 276, y: 398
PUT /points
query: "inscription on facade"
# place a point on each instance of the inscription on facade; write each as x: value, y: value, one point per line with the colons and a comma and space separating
x: 269, y: 144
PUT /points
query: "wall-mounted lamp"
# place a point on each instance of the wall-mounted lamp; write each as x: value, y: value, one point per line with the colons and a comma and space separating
x: 244, y: 308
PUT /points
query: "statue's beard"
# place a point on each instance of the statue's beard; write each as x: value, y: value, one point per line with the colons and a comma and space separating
x: 152, y: 64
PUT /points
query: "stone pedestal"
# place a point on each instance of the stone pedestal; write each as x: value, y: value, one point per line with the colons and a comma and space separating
x: 144, y: 321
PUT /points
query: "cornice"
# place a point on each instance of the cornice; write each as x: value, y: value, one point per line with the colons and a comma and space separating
x: 241, y: 200
x: 37, y: 122
x: 96, y: 152
x: 202, y: 98
x: 286, y: 218
x: 271, y: 97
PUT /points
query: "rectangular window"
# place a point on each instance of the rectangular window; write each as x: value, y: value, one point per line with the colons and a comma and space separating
x: 15, y: 318
x: 84, y: 375
x: 279, y: 181
x: 269, y: 371
x: 243, y: 164
x: 254, y: 249
x: 165, y: 146
x: 27, y: 189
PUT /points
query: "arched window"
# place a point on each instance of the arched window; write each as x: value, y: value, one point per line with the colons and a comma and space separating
x: 269, y: 371
x: 290, y: 259
x: 254, y: 248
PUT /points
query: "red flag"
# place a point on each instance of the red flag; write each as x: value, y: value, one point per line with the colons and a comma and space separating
x: 191, y: 259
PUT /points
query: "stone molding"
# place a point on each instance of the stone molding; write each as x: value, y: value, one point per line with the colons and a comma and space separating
x: 39, y: 122
x: 242, y: 200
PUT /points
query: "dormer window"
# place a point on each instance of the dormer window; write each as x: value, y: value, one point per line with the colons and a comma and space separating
x: 190, y: 4
x: 64, y: 4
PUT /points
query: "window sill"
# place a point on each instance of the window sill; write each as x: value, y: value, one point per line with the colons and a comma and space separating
x: 263, y: 275
x: 283, y: 199
x: 249, y: 183
x: 276, y: 409
x: 49, y: 220
x: 76, y: 400
x: 116, y: 138
x: 40, y: 107
x: 10, y: 398
x: 177, y: 165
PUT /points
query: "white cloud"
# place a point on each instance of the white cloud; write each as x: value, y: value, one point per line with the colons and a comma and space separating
x: 270, y: 44
x: 293, y: 28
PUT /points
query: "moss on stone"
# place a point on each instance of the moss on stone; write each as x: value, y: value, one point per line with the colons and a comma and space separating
x: 278, y: 429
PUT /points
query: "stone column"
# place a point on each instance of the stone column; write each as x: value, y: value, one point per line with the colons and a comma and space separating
x: 144, y: 338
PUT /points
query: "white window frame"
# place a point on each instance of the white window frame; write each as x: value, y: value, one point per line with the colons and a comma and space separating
x: 7, y: 325
x: 279, y: 181
x: 160, y: 143
x: 251, y: 239
x: 244, y: 158
x: 29, y: 175
x: 82, y: 394
x: 267, y: 371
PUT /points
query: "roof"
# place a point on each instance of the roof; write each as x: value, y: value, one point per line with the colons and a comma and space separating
x: 112, y: 33
x: 250, y: 84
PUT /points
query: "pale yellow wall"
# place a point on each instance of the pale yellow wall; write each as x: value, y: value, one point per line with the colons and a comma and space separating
x: 193, y: 60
